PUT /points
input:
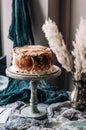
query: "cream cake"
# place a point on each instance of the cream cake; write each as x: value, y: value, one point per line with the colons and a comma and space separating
x: 32, y: 59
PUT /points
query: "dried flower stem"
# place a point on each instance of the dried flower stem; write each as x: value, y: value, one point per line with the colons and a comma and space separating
x: 79, y: 51
x: 56, y: 43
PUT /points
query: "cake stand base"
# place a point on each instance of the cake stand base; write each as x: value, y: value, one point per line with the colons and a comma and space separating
x: 39, y: 114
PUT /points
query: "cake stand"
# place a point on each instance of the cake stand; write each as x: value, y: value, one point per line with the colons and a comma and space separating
x: 34, y: 110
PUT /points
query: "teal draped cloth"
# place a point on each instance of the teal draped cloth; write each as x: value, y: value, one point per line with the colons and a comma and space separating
x: 20, y: 91
x: 20, y: 32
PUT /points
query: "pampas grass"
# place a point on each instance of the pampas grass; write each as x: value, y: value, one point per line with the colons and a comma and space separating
x: 56, y: 43
x: 64, y: 57
x: 79, y: 51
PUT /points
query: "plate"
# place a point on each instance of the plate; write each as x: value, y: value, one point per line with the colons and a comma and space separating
x: 55, y: 69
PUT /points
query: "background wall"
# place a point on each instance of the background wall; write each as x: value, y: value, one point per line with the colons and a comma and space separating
x: 5, y: 23
x: 78, y: 10
x: 40, y: 10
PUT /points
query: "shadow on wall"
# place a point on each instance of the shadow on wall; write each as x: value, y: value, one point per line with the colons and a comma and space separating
x: 38, y: 16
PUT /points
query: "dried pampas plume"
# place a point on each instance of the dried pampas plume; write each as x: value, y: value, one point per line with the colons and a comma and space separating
x: 79, y: 51
x: 56, y: 43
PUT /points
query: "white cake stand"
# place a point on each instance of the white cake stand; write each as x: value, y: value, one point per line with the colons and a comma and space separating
x: 33, y: 110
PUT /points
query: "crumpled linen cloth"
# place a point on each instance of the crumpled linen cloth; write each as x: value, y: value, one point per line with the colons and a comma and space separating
x: 60, y: 116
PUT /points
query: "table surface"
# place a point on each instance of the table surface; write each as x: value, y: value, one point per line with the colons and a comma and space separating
x: 60, y: 117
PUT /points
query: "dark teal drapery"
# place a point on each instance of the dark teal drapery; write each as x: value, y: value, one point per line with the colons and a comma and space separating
x: 20, y: 32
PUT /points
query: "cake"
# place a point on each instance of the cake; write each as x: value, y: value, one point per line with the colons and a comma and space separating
x: 32, y: 59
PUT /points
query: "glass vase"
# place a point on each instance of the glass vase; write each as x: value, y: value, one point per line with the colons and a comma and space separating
x: 78, y: 95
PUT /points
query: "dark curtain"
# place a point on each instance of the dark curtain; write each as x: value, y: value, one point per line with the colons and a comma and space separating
x: 64, y: 27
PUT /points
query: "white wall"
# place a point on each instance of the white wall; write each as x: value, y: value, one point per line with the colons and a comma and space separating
x: 39, y: 12
x: 5, y: 23
x: 78, y: 9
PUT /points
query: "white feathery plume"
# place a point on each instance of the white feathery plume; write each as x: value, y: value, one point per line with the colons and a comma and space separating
x: 79, y: 51
x: 56, y: 43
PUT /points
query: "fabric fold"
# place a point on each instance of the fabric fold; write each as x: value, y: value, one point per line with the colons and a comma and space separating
x: 20, y: 91
x: 20, y: 30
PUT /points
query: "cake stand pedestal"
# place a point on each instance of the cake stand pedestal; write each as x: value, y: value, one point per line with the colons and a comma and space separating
x: 33, y: 110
